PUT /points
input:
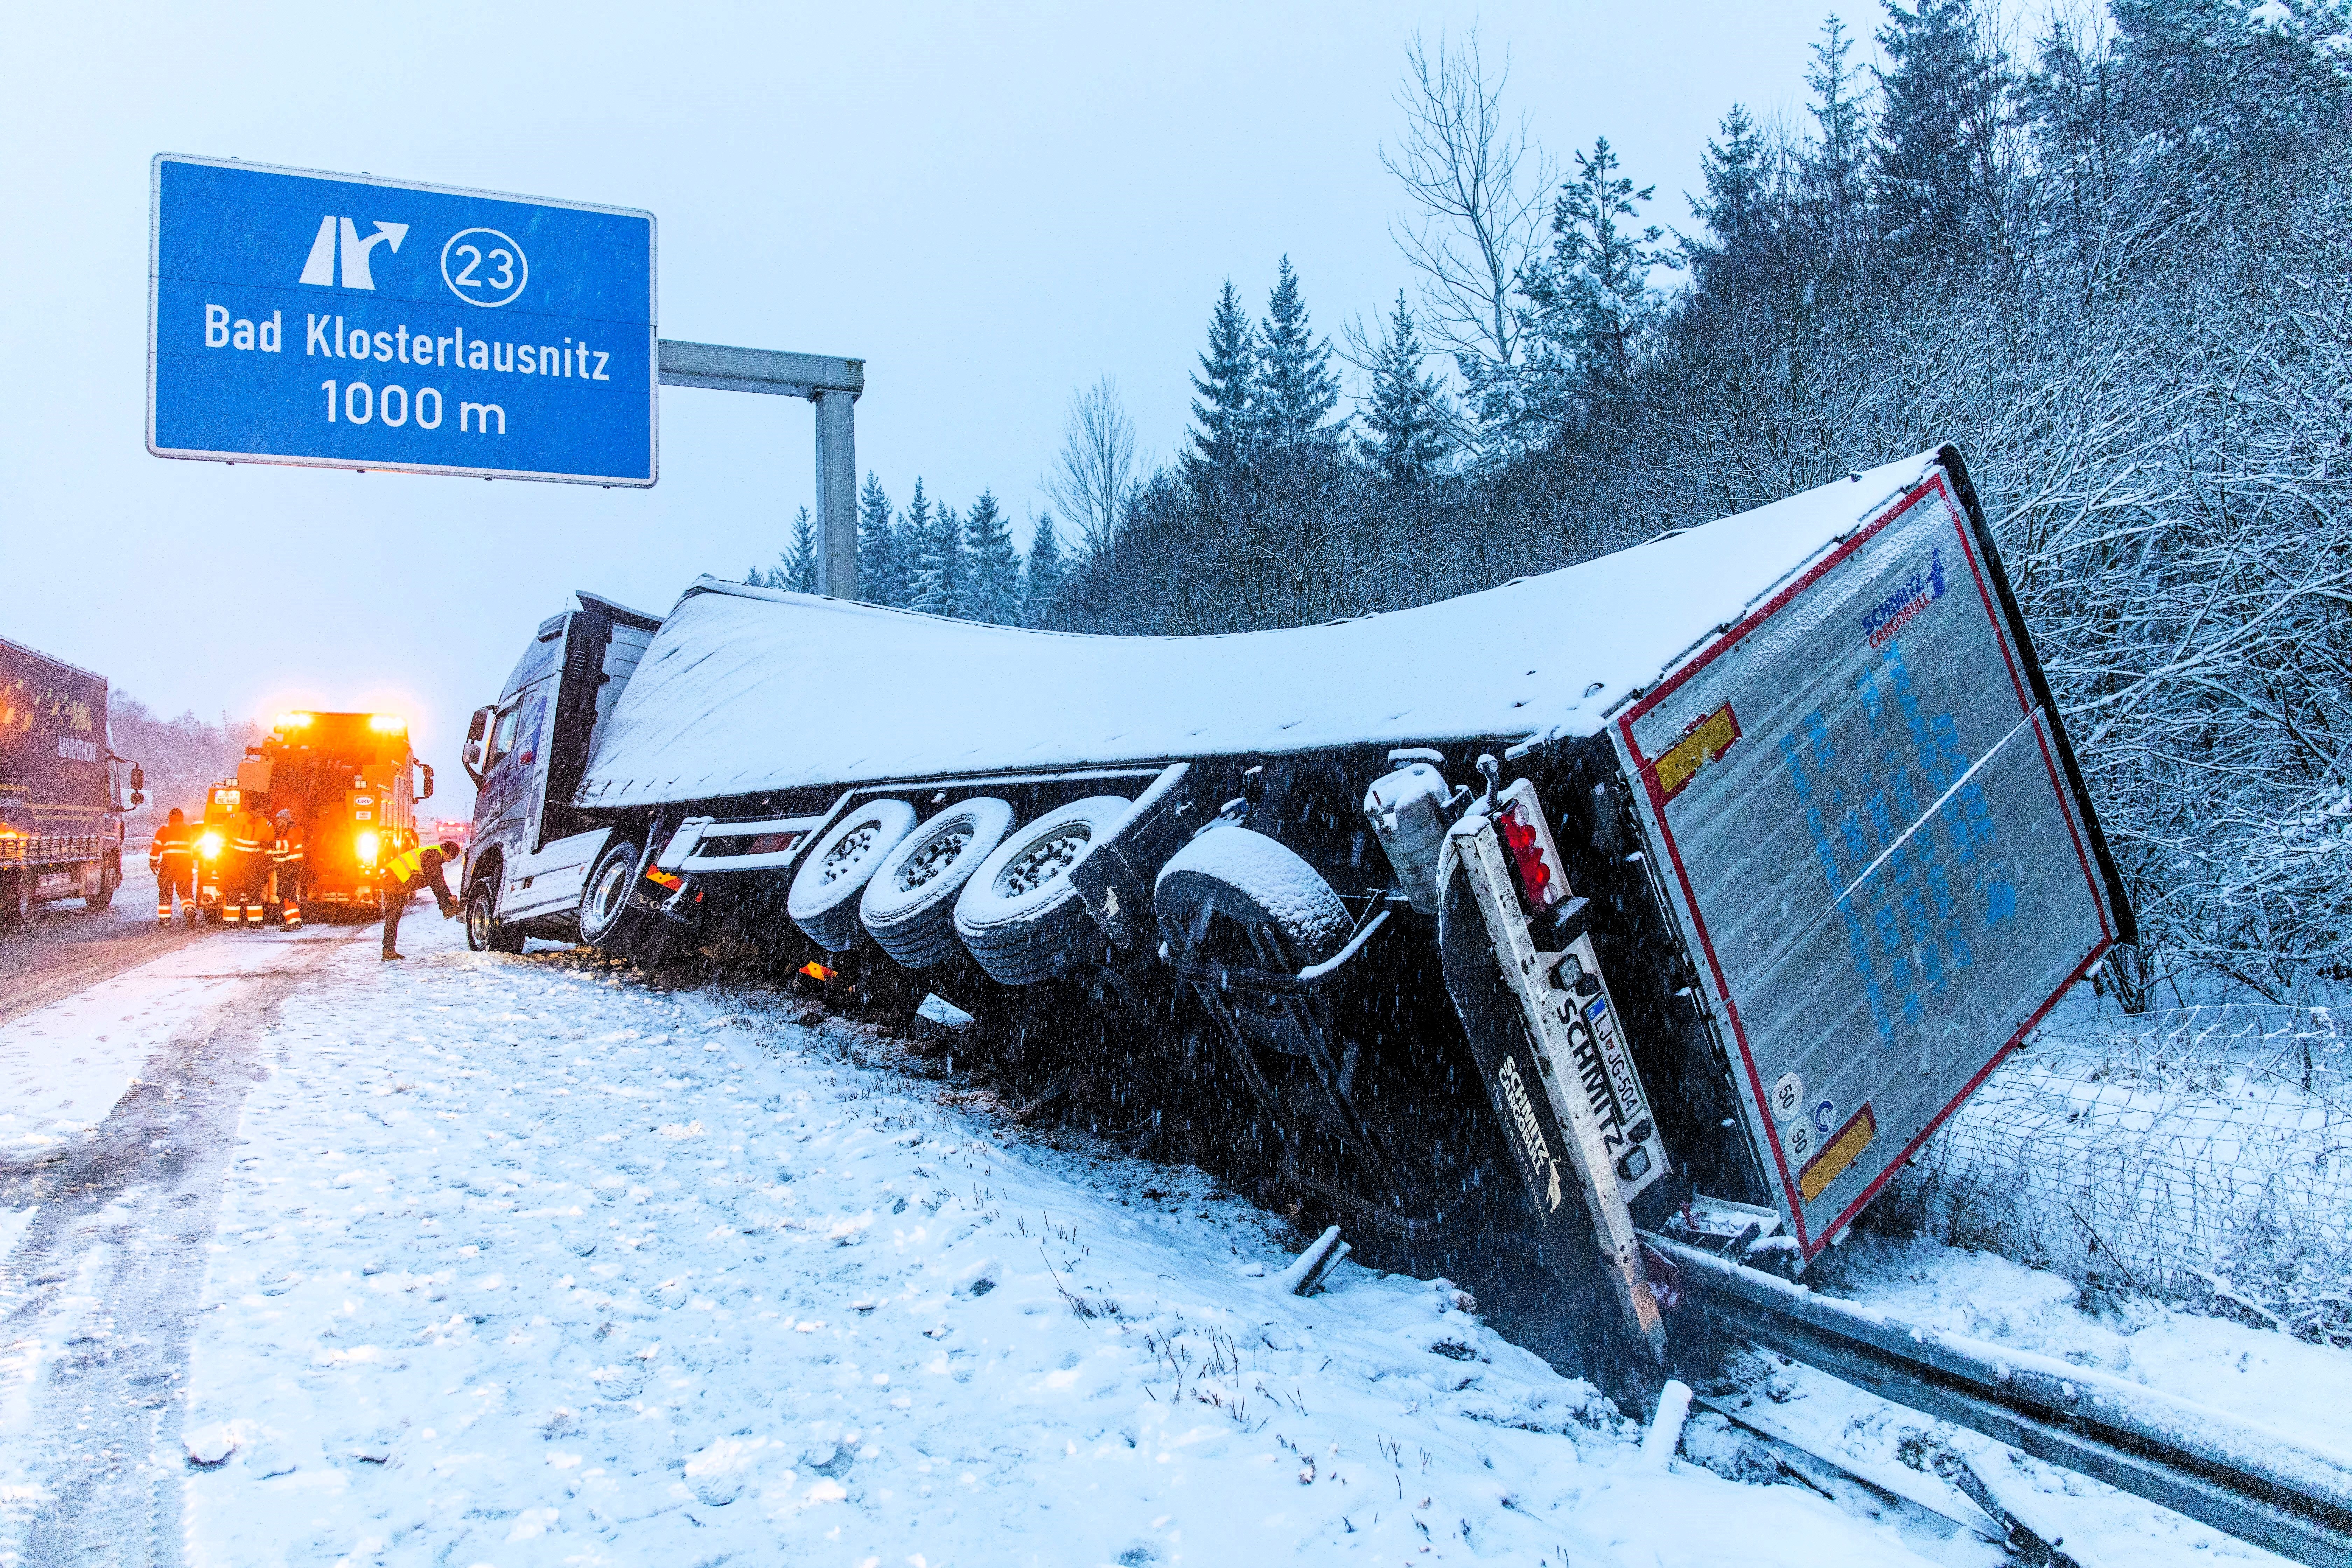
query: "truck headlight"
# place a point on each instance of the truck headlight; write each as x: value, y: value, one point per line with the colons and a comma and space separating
x: 210, y: 844
x: 365, y: 845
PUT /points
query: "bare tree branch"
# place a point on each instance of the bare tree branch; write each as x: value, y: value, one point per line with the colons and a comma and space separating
x: 1097, y: 468
x: 1481, y: 185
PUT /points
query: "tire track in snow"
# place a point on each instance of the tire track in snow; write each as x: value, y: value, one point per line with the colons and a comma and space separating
x: 98, y: 1298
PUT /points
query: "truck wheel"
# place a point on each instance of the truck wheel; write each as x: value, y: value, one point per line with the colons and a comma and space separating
x: 909, y: 903
x: 107, y: 878
x: 826, y: 888
x: 1289, y: 914
x: 483, y: 931
x: 608, y: 897
x: 1019, y: 915
x: 16, y: 898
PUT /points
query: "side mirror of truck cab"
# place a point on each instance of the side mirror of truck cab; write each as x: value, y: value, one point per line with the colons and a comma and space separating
x: 138, y: 778
x: 472, y: 756
x: 427, y: 793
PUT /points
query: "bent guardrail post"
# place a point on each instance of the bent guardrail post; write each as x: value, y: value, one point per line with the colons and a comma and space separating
x: 2233, y: 1475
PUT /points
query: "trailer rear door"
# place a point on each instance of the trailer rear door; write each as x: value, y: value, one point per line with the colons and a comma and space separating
x: 1876, y: 843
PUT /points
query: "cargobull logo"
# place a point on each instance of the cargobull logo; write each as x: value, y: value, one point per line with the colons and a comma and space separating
x: 1906, y: 603
x: 339, y: 237
x: 1529, y: 1131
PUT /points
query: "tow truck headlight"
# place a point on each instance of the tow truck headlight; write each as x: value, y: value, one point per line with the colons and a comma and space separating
x: 210, y: 845
x: 387, y: 722
x: 365, y: 844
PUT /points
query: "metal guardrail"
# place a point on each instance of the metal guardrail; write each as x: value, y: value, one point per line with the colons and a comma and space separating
x: 2237, y: 1477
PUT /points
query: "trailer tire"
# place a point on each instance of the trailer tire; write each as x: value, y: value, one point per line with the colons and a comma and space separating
x: 606, y: 900
x: 827, y: 888
x: 16, y: 898
x: 1020, y: 916
x: 1257, y: 883
x: 909, y: 903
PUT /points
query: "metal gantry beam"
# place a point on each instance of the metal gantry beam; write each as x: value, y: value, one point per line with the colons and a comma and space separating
x: 834, y: 384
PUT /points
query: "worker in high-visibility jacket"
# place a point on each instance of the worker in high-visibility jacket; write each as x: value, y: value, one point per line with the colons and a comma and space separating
x: 172, y: 858
x: 244, y: 867
x: 286, y: 866
x: 412, y: 870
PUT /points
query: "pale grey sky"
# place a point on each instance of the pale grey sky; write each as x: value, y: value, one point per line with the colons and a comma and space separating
x: 991, y: 205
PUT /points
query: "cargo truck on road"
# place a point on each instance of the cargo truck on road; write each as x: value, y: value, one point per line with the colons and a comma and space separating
x: 63, y: 792
x: 1687, y: 889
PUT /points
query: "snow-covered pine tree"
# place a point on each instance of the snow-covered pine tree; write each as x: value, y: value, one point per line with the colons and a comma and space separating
x: 1832, y: 164
x: 1591, y: 303
x: 938, y: 580
x: 1040, y: 588
x: 2210, y: 85
x: 1733, y: 168
x: 799, y: 572
x: 1298, y: 389
x: 881, y: 575
x: 914, y: 536
x: 1406, y: 417
x: 992, y: 580
x: 1940, y: 186
x: 1224, y: 415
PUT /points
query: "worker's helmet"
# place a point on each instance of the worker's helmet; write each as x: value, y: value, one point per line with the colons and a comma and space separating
x: 286, y: 818
x: 177, y: 815
x: 450, y: 848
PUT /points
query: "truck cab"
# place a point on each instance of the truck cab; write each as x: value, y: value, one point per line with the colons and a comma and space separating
x: 532, y: 851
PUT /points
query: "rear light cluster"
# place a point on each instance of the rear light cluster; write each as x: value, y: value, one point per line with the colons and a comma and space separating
x: 1520, y: 818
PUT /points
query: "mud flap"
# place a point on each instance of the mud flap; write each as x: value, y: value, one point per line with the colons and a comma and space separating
x: 1511, y: 1012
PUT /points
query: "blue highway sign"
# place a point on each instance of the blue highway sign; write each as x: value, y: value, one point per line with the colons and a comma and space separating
x: 343, y: 322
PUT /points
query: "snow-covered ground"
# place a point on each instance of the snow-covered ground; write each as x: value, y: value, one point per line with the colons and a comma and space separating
x: 521, y: 1260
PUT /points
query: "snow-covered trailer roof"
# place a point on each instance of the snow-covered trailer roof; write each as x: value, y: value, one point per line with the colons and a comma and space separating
x: 746, y: 690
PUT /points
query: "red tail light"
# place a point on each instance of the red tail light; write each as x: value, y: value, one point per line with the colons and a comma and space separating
x: 1519, y: 819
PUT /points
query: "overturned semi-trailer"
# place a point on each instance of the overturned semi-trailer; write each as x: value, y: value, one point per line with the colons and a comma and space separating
x: 1725, y: 868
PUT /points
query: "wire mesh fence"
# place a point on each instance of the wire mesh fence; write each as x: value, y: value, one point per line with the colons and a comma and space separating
x: 2201, y: 1155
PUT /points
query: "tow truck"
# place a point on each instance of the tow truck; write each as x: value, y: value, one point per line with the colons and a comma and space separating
x: 350, y: 780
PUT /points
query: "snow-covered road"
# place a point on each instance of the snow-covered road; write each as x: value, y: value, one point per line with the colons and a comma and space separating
x: 481, y: 1259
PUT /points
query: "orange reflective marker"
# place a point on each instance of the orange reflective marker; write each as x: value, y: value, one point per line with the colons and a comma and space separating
x: 816, y: 971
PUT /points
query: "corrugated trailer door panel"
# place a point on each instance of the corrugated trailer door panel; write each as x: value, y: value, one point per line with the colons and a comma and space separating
x: 1876, y: 853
